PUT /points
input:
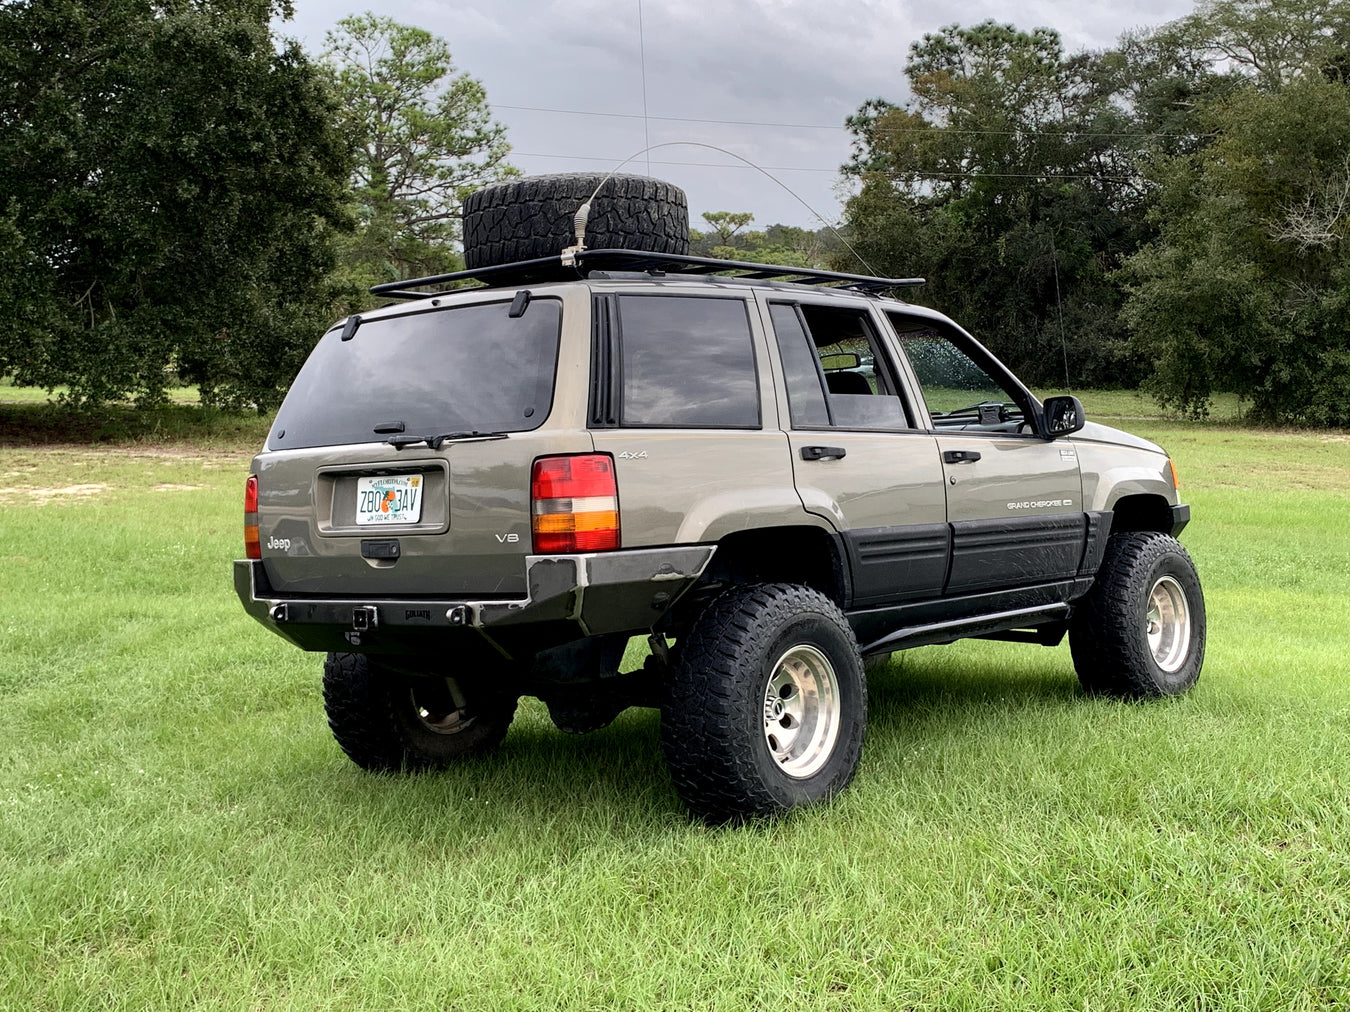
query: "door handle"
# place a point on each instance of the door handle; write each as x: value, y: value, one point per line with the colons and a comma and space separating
x: 822, y: 452
x: 960, y: 456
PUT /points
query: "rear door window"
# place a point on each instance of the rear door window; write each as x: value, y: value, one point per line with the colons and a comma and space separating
x: 450, y: 370
x: 834, y: 369
x: 687, y: 362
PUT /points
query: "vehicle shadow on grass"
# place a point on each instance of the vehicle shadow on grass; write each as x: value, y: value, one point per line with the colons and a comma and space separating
x: 931, y: 694
x: 615, y: 781
x: 612, y: 780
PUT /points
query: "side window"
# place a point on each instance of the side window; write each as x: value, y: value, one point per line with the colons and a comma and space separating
x: 959, y: 392
x: 833, y: 366
x: 801, y: 368
x: 687, y: 361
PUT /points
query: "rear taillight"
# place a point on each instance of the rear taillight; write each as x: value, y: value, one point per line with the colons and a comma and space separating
x: 574, y: 504
x: 252, y: 543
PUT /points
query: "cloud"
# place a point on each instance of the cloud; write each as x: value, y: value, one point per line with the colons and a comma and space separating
x: 755, y: 61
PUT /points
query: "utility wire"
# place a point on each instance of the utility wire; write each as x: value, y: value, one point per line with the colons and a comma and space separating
x: 823, y: 126
x: 809, y: 168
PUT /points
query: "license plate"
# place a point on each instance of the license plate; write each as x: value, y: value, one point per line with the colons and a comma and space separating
x: 393, y: 499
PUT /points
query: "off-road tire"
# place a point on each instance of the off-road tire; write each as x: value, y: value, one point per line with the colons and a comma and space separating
x: 531, y: 218
x: 715, y: 717
x: 374, y: 713
x: 1109, y: 632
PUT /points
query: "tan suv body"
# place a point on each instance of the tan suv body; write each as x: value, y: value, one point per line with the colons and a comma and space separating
x: 497, y: 488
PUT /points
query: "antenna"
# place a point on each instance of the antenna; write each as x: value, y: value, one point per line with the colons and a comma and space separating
x: 642, y: 54
x: 1059, y: 311
x: 583, y: 214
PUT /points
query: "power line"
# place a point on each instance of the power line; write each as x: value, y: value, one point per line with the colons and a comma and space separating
x: 669, y: 119
x: 704, y: 165
x: 961, y: 131
x: 809, y: 168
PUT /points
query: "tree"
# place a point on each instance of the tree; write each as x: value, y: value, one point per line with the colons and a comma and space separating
x: 1005, y: 183
x: 1272, y: 42
x: 172, y: 184
x: 726, y: 224
x: 424, y: 139
x: 1247, y: 286
x: 778, y: 244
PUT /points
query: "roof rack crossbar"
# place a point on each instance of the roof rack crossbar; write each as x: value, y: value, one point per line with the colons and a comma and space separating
x: 546, y: 268
x: 485, y: 274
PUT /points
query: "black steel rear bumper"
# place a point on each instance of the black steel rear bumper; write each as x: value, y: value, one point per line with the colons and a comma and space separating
x: 570, y: 596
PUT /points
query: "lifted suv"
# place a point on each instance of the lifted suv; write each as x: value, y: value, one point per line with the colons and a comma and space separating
x: 482, y: 494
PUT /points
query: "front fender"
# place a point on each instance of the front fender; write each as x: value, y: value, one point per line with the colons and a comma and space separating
x: 1112, y: 472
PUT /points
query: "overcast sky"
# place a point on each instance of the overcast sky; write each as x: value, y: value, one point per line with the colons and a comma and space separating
x: 786, y: 72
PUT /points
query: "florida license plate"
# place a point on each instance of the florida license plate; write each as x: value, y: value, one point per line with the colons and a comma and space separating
x: 392, y: 499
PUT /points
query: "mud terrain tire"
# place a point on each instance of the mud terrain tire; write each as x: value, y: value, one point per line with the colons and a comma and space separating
x: 766, y: 709
x: 387, y: 721
x: 526, y: 219
x: 1140, y: 631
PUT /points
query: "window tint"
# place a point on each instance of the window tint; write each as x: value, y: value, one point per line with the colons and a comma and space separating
x: 806, y: 397
x: 448, y: 370
x: 688, y: 362
x: 959, y: 392
x: 840, y: 346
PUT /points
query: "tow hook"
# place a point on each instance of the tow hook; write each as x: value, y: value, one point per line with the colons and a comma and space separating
x: 365, y: 617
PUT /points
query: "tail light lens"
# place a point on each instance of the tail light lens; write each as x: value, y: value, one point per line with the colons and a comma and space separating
x: 574, y: 504
x: 252, y: 543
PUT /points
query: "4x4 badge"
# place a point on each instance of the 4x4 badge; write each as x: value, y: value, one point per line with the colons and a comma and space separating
x: 629, y: 455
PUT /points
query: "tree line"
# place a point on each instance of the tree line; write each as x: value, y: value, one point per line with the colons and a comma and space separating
x: 186, y: 197
x: 1171, y: 212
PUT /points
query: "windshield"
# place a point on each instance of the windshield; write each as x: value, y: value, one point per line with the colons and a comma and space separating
x: 450, y: 370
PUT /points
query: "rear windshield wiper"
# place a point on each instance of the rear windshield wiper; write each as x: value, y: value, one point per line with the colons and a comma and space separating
x: 399, y: 442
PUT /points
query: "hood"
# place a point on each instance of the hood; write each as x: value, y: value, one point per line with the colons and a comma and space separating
x: 1098, y: 433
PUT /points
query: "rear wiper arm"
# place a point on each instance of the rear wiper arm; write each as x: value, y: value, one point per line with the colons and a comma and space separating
x: 399, y: 442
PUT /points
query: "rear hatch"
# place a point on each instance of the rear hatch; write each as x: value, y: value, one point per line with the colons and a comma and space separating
x: 400, y: 461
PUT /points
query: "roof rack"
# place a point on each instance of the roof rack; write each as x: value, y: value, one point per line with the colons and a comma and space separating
x: 656, y: 264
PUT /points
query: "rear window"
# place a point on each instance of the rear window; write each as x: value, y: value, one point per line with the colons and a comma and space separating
x: 450, y: 370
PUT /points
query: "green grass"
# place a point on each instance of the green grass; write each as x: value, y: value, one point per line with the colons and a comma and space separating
x: 178, y: 829
x: 173, y: 425
x: 11, y: 394
x: 1108, y: 405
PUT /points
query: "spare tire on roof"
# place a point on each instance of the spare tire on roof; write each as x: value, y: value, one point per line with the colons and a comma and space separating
x: 530, y: 218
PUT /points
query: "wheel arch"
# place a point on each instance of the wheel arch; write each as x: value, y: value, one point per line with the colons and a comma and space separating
x: 1142, y: 511
x: 805, y: 555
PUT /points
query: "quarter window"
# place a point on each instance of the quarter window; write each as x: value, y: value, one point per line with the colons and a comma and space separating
x: 687, y: 361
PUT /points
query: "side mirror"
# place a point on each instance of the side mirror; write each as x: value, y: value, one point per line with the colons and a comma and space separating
x: 1062, y: 415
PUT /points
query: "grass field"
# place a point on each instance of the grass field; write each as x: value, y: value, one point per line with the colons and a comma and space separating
x: 179, y: 831
x: 11, y: 394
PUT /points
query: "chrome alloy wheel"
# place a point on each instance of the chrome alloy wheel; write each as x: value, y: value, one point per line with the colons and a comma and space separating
x: 1167, y: 624
x: 801, y: 711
